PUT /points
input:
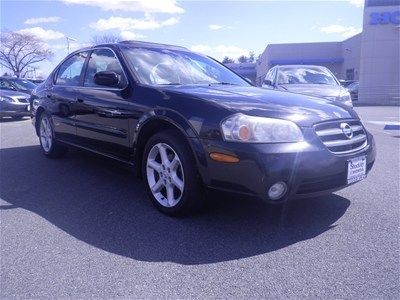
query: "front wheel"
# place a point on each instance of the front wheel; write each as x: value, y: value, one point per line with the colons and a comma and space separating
x: 170, y: 174
x: 48, y: 144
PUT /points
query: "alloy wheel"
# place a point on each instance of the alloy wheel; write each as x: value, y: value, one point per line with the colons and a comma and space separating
x: 165, y: 175
x: 46, y: 136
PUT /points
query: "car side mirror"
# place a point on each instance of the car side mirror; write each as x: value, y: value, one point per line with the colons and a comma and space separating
x: 267, y: 82
x: 106, y: 78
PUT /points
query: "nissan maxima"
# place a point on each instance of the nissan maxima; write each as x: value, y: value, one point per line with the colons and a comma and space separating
x: 186, y: 123
x: 310, y: 80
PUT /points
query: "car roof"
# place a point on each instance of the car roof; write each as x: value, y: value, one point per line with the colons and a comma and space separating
x: 8, y: 77
x: 132, y: 44
x: 300, y: 66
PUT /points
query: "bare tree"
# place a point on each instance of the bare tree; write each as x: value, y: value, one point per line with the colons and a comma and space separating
x: 227, y: 60
x: 243, y: 59
x: 20, y: 50
x: 252, y: 57
x: 105, y: 39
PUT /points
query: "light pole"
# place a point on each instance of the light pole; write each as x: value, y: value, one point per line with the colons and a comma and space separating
x: 69, y: 39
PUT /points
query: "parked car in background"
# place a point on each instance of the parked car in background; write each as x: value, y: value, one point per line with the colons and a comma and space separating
x: 16, y: 84
x: 353, y: 90
x: 187, y: 123
x: 36, y: 81
x: 346, y: 83
x: 14, y: 104
x: 310, y: 80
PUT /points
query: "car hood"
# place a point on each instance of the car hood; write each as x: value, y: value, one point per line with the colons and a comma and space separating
x: 13, y: 94
x: 318, y: 90
x: 301, y: 109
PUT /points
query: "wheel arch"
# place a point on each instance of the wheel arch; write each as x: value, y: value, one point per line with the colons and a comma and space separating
x: 154, y: 123
x: 38, y: 113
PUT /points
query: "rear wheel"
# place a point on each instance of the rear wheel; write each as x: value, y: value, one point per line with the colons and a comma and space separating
x: 170, y: 174
x: 49, y: 145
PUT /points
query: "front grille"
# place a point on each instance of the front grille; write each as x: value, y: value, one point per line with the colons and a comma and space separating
x: 334, y: 138
x: 22, y: 100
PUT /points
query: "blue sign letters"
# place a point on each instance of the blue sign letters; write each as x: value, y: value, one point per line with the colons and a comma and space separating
x: 385, y: 18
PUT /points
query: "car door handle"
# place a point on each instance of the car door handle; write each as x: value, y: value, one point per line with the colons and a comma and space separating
x: 109, y: 113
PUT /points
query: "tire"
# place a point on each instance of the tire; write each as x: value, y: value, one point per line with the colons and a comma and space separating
x: 49, y: 145
x: 17, y: 117
x: 177, y: 171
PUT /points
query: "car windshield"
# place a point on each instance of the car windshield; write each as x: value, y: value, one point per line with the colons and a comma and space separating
x: 23, y: 84
x: 175, y: 67
x: 305, y: 75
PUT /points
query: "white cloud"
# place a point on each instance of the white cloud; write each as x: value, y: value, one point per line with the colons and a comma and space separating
x: 200, y: 48
x: 125, y: 24
x: 357, y: 3
x: 147, y: 6
x: 345, y: 31
x: 231, y: 51
x: 215, y: 27
x: 221, y: 51
x: 218, y: 27
x: 33, y: 21
x: 43, y: 33
x: 129, y: 35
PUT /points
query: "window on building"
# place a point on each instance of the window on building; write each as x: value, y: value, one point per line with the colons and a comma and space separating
x: 350, y: 74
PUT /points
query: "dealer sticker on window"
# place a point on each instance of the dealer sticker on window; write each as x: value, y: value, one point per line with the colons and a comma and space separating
x: 357, y: 169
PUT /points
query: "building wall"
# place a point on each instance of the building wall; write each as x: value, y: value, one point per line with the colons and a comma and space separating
x: 380, y: 55
x: 246, y: 70
x: 351, y: 51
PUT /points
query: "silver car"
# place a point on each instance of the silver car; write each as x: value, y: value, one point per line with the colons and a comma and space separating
x: 14, y: 104
x: 311, y: 80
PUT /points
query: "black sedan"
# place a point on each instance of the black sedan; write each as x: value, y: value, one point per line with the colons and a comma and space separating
x: 186, y: 123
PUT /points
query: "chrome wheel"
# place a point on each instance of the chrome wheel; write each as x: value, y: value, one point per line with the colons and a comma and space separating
x: 46, y: 135
x: 165, y: 175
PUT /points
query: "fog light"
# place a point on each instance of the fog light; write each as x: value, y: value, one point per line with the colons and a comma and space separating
x: 277, y: 190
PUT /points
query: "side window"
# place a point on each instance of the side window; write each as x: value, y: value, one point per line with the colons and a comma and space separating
x: 69, y: 73
x: 6, y: 85
x: 102, y: 60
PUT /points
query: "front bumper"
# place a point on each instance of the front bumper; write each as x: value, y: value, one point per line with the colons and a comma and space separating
x: 14, y: 109
x: 309, y: 169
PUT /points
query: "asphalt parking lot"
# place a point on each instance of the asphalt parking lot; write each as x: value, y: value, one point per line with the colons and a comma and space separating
x: 82, y: 226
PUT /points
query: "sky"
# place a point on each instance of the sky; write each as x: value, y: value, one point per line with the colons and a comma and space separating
x: 215, y: 28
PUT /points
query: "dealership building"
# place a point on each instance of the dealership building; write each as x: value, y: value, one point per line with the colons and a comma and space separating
x: 372, y: 57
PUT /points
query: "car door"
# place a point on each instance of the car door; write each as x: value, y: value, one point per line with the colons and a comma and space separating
x: 103, y: 112
x: 62, y: 96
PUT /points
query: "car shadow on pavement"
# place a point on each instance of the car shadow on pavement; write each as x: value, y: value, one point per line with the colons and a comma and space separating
x: 104, y: 205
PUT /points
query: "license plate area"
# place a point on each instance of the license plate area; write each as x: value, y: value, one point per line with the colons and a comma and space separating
x: 356, y: 169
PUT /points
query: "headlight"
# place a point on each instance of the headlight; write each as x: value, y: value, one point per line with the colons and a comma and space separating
x: 6, y: 99
x: 243, y: 128
x: 345, y: 98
